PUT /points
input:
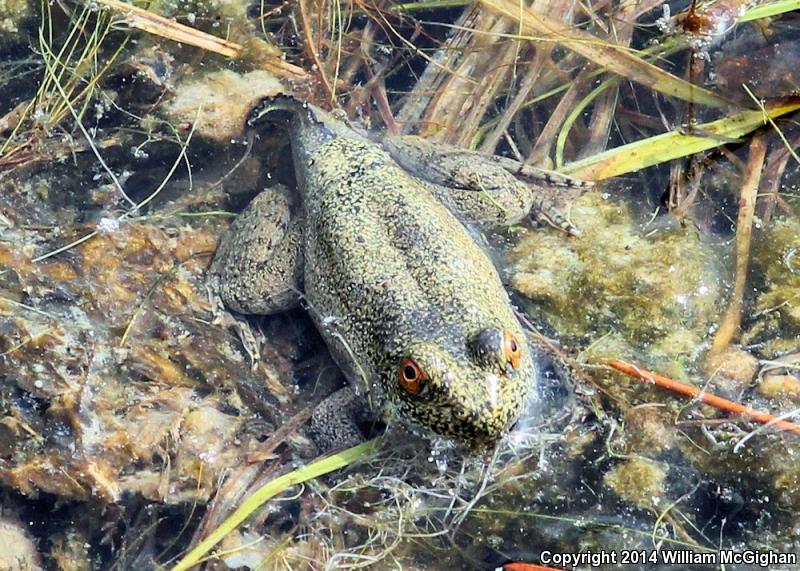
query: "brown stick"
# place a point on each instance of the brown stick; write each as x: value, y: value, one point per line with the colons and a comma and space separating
x: 732, y: 319
x: 709, y: 399
x: 311, y: 50
x: 157, y: 25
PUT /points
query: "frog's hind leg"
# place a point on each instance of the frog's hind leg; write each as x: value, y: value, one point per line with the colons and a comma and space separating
x: 258, y: 266
x: 478, y: 187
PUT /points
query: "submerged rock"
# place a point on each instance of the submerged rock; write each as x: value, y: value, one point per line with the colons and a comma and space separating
x: 218, y: 103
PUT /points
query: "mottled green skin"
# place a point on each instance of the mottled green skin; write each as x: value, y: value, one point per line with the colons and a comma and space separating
x: 405, y: 278
x: 389, y: 272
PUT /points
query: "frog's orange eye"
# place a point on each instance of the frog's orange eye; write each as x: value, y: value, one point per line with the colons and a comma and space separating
x: 512, y: 349
x: 412, y: 378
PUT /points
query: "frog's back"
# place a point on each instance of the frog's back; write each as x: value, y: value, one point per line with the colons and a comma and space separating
x: 389, y: 267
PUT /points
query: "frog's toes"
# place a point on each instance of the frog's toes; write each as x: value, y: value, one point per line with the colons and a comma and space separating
x: 556, y: 220
x: 251, y: 339
x: 216, y: 305
x: 537, y: 175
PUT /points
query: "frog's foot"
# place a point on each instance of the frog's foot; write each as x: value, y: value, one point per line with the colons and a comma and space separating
x: 536, y: 175
x: 543, y: 210
x: 503, y: 199
x: 251, y: 340
x: 335, y: 423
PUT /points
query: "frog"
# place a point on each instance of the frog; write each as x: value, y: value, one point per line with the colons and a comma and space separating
x: 377, y: 244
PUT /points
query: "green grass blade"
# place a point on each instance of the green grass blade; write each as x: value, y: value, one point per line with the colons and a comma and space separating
x: 269, y: 490
x: 575, y: 114
x: 769, y: 10
x: 673, y: 145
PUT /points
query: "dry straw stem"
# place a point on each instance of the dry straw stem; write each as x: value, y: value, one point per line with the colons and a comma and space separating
x: 164, y: 27
x: 732, y: 319
x: 311, y: 49
x: 675, y: 144
x: 709, y: 399
x: 613, y: 57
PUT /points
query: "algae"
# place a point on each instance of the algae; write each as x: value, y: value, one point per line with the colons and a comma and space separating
x: 776, y: 309
x: 622, y: 287
x: 13, y: 13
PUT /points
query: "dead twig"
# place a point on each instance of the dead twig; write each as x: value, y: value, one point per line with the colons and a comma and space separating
x: 709, y: 399
x: 157, y: 25
x: 732, y: 319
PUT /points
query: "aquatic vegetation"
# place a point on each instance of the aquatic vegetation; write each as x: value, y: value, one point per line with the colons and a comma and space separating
x: 204, y: 14
x: 639, y: 481
x: 131, y: 426
x: 776, y: 257
x: 18, y: 545
x: 627, y: 288
x: 12, y: 14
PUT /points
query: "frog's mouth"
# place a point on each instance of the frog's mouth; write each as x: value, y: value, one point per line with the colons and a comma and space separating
x: 475, y: 428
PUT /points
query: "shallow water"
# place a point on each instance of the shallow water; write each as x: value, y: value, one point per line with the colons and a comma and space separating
x: 132, y: 425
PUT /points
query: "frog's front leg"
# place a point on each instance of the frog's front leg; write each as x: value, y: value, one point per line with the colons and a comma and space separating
x: 258, y: 266
x: 335, y: 422
x: 488, y: 189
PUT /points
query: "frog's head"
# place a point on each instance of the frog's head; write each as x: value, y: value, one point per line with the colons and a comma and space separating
x: 474, y: 393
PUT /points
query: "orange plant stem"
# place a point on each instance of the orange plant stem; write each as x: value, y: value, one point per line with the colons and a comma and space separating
x: 520, y: 566
x: 709, y: 399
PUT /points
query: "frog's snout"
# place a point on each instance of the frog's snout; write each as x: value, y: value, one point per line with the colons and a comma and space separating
x: 481, y: 426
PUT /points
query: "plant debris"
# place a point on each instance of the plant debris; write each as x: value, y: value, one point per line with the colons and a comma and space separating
x: 132, y: 426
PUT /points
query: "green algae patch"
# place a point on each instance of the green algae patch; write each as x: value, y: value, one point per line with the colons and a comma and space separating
x: 207, y: 15
x: 639, y: 481
x: 12, y: 14
x: 621, y: 287
x: 776, y: 257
